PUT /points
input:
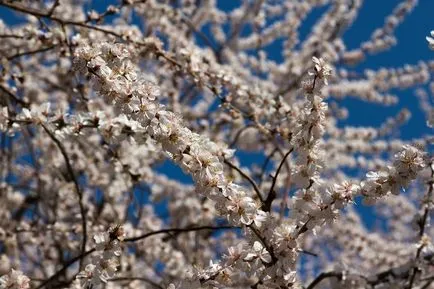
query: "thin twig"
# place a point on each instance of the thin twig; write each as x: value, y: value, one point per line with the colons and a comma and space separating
x: 77, y: 187
x: 119, y: 279
x: 13, y: 96
x: 272, y: 193
x: 238, y: 134
x: 249, y: 179
x: 55, y: 5
x: 133, y: 239
x: 265, y: 164
x: 177, y: 230
x: 423, y: 224
x: 31, y: 52
x: 323, y: 276
x: 65, y: 267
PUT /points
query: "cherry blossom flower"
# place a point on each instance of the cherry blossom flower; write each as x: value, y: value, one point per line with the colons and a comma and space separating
x: 431, y: 40
x: 15, y: 280
x: 322, y: 69
x: 100, y: 115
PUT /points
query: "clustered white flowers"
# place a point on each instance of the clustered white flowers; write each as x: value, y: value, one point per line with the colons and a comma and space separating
x: 104, y: 265
x: 15, y: 280
x: 141, y: 113
x: 408, y: 163
x: 143, y: 129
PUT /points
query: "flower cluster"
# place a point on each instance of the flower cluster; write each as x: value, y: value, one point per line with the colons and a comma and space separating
x: 229, y: 165
x: 104, y: 265
x: 14, y: 280
x: 322, y: 69
x: 408, y: 163
x: 195, y: 154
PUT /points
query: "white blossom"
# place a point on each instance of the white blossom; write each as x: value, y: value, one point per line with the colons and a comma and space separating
x: 15, y: 280
x: 228, y: 166
x: 431, y: 40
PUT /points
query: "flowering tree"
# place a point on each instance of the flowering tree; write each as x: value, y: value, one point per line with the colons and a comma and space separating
x: 93, y: 103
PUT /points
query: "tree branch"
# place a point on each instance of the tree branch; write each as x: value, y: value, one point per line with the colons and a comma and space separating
x: 249, y: 179
x: 76, y: 185
x: 272, y: 194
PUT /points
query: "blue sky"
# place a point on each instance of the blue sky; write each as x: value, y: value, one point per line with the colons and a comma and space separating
x: 411, y: 48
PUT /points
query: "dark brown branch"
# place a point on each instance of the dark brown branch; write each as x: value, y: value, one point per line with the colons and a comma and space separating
x: 178, y: 230
x: 238, y: 134
x: 120, y: 279
x: 265, y: 244
x: 423, y: 224
x: 249, y: 179
x: 272, y: 194
x: 133, y: 239
x: 13, y: 96
x: 323, y: 276
x: 77, y: 187
x: 55, y: 5
x: 41, y: 14
x: 265, y: 164
x: 31, y: 52
x: 64, y: 268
